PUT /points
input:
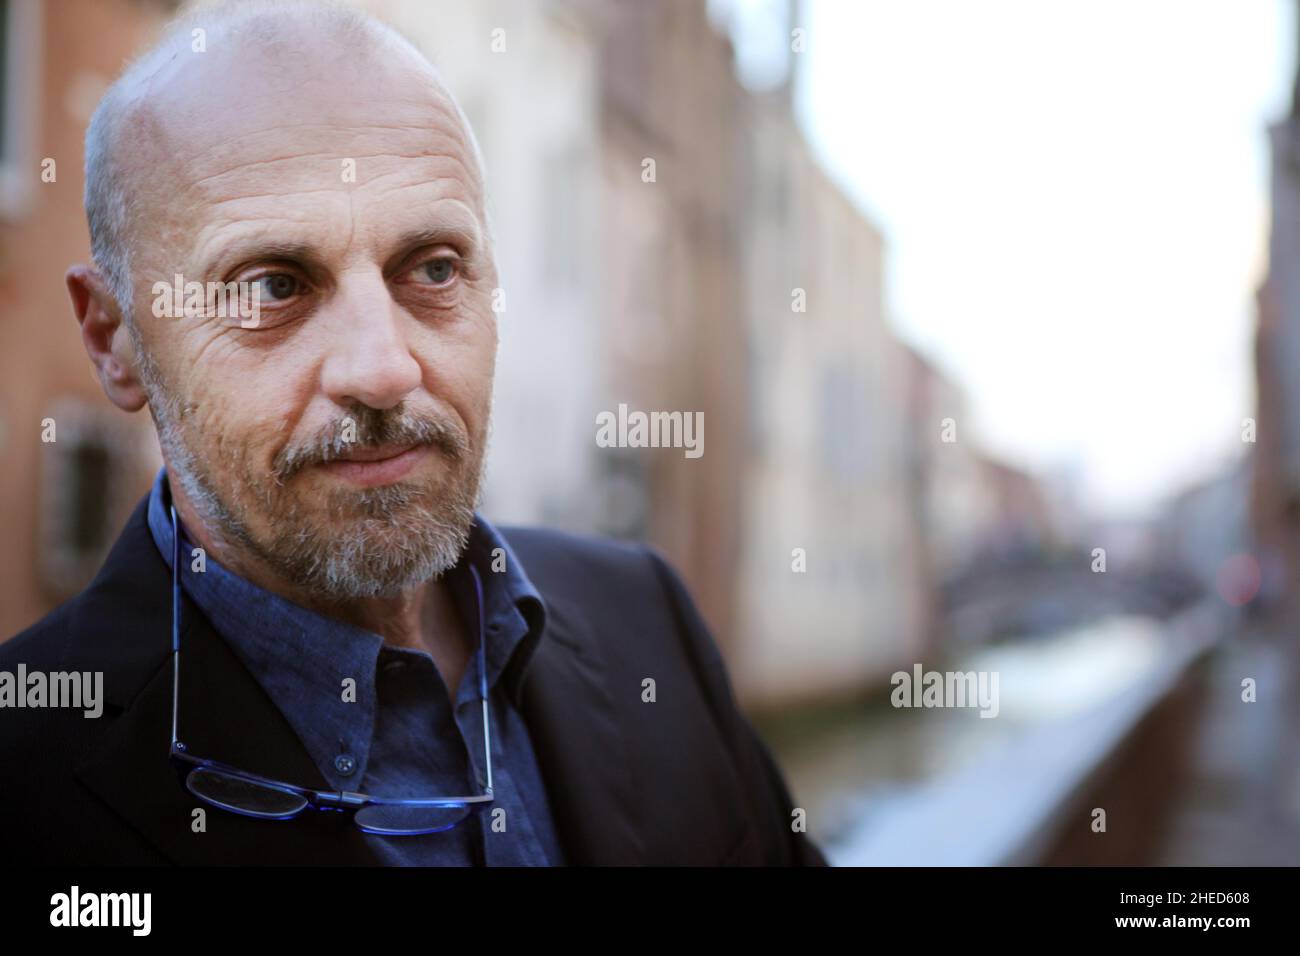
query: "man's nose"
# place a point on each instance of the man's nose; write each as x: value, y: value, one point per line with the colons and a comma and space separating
x: 369, y: 358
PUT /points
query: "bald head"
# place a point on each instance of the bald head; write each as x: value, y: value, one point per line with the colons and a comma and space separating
x: 275, y: 63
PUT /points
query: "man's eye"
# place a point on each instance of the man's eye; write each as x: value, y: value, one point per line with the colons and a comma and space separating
x: 277, y: 286
x: 436, y: 271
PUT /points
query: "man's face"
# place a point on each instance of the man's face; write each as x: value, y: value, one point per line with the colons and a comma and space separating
x: 339, y: 441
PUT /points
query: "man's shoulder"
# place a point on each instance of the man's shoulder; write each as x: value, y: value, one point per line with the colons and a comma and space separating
x: 610, y: 586
x: 616, y: 588
x: 587, y: 550
x: 564, y: 562
x: 116, y: 586
x: 42, y: 645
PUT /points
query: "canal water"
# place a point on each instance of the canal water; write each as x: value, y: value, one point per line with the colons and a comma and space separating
x: 851, y: 765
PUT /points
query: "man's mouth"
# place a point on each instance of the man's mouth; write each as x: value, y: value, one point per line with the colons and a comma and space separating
x: 370, y: 466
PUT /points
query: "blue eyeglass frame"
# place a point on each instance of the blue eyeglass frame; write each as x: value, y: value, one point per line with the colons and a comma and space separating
x: 344, y: 801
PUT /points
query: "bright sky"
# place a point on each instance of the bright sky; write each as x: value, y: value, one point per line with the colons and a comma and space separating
x: 1074, y: 195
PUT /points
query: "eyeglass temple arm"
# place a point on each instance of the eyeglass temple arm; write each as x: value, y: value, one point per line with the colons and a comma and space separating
x: 482, y: 674
x: 176, y: 619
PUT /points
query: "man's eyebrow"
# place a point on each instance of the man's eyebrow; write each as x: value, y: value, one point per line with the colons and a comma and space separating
x: 256, y: 250
x: 465, y: 237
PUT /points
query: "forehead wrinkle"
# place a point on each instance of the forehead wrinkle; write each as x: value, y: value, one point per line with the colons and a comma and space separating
x: 255, y: 167
x: 330, y: 133
x: 413, y: 181
x: 445, y: 151
x: 248, y: 197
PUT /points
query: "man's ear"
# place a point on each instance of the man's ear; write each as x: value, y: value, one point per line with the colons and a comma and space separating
x: 106, y: 339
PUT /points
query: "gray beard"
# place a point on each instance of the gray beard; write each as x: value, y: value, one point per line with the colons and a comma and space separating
x: 403, y: 538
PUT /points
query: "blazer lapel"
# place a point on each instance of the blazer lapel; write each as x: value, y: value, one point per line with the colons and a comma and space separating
x: 580, y: 748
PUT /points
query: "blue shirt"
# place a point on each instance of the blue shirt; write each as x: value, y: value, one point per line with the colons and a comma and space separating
x: 401, y: 736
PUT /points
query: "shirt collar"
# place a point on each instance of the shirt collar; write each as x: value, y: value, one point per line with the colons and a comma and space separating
x: 302, y: 658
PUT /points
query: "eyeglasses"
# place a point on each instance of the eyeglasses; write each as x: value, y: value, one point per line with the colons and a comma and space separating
x: 239, y: 791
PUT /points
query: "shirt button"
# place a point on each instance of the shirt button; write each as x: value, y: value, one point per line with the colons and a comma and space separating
x: 345, y: 764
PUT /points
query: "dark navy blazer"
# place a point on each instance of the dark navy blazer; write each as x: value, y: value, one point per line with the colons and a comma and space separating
x: 682, y: 780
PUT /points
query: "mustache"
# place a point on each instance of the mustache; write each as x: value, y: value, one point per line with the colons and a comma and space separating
x: 371, y: 427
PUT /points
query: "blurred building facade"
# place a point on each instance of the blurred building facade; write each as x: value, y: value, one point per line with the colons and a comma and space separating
x: 830, y: 588
x: 972, y: 505
x: 1208, y: 524
x: 675, y: 173
x: 1275, y: 478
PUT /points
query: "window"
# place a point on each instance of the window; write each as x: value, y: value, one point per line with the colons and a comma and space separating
x: 84, y: 492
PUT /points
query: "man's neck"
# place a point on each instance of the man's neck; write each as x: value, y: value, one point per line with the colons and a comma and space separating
x: 422, y: 618
x: 425, y: 621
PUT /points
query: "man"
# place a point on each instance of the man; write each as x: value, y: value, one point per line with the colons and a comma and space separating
x: 347, y: 623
